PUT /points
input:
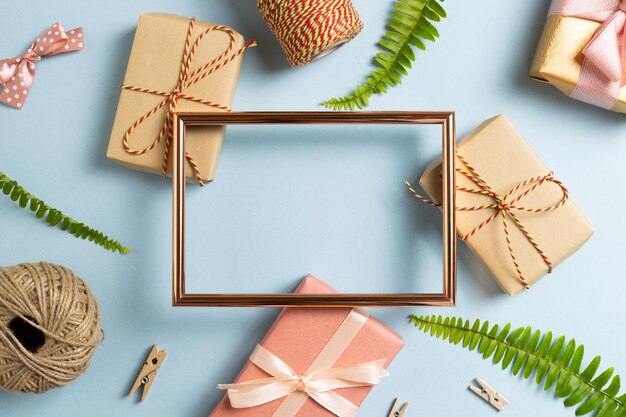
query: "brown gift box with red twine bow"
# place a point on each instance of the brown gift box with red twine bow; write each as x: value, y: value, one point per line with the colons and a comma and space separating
x: 176, y: 64
x: 510, y: 209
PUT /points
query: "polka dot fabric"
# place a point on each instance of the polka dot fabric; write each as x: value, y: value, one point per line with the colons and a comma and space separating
x: 17, y: 74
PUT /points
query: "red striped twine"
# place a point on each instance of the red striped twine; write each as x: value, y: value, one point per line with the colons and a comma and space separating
x: 505, y: 207
x: 310, y: 29
x: 186, y: 79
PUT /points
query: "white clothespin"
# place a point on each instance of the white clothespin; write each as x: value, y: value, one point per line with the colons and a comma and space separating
x: 489, y: 394
x: 149, y: 371
x: 395, y: 411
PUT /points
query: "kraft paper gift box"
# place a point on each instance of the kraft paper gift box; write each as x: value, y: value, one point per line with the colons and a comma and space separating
x: 155, y: 64
x: 503, y: 160
x: 559, y: 57
x: 303, y: 336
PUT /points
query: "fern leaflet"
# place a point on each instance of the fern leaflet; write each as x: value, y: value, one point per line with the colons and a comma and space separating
x: 410, y: 26
x: 555, y: 363
x: 55, y: 217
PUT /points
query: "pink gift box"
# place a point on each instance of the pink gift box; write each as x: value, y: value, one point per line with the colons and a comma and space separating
x: 299, y: 335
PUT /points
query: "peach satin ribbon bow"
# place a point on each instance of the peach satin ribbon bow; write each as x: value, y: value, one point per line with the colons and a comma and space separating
x: 318, y: 385
x: 602, y: 72
x: 16, y: 74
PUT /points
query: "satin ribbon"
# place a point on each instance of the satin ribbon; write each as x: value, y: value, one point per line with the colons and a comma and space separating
x: 317, y: 383
x: 17, y: 74
x: 602, y: 73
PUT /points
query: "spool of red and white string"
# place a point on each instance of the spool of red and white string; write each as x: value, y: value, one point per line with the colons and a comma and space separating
x: 310, y: 29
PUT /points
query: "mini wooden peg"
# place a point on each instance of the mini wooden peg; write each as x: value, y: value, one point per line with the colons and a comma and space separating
x: 395, y: 411
x: 487, y: 393
x: 149, y: 371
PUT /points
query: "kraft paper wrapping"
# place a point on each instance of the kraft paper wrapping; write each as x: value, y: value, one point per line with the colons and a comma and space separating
x: 558, y: 60
x: 297, y: 337
x: 503, y: 159
x: 154, y: 63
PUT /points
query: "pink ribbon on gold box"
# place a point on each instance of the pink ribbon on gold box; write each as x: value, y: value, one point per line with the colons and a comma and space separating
x: 602, y: 72
x: 17, y: 74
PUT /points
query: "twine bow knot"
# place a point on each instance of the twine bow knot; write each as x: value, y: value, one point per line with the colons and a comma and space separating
x: 17, y: 74
x: 318, y: 385
x: 186, y: 78
x: 505, y: 207
x: 175, y: 96
x: 602, y: 73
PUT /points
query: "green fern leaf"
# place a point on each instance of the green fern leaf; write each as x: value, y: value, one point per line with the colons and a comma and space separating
x: 408, y: 27
x: 592, y: 403
x: 606, y: 410
x: 563, y: 386
x: 542, y: 367
x: 580, y: 394
x: 559, y: 362
x: 532, y: 362
x: 553, y: 369
x: 613, y: 389
x: 485, y: 343
x: 578, y: 358
x: 54, y: 217
x: 568, y: 353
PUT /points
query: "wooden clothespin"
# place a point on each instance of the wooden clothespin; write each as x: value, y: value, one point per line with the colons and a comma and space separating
x: 489, y: 394
x: 395, y: 411
x: 149, y: 371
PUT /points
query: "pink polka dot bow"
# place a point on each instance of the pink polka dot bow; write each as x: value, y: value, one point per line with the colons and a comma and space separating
x: 16, y: 74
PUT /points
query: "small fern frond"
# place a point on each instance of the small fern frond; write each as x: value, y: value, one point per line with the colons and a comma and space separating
x: 410, y: 26
x: 55, y: 217
x: 555, y: 363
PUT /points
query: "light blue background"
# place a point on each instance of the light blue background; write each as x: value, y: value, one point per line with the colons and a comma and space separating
x: 328, y: 202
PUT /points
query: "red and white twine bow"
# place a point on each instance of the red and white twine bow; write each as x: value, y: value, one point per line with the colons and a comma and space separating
x: 17, y: 74
x: 505, y: 206
x: 186, y: 78
x: 603, y: 68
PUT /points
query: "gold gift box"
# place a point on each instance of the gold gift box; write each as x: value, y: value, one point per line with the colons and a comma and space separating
x: 503, y: 159
x: 558, y: 60
x: 155, y: 63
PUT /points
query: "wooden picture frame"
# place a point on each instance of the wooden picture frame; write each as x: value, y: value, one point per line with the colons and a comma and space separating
x: 180, y: 298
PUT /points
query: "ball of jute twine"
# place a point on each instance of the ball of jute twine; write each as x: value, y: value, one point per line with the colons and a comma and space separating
x: 49, y: 327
